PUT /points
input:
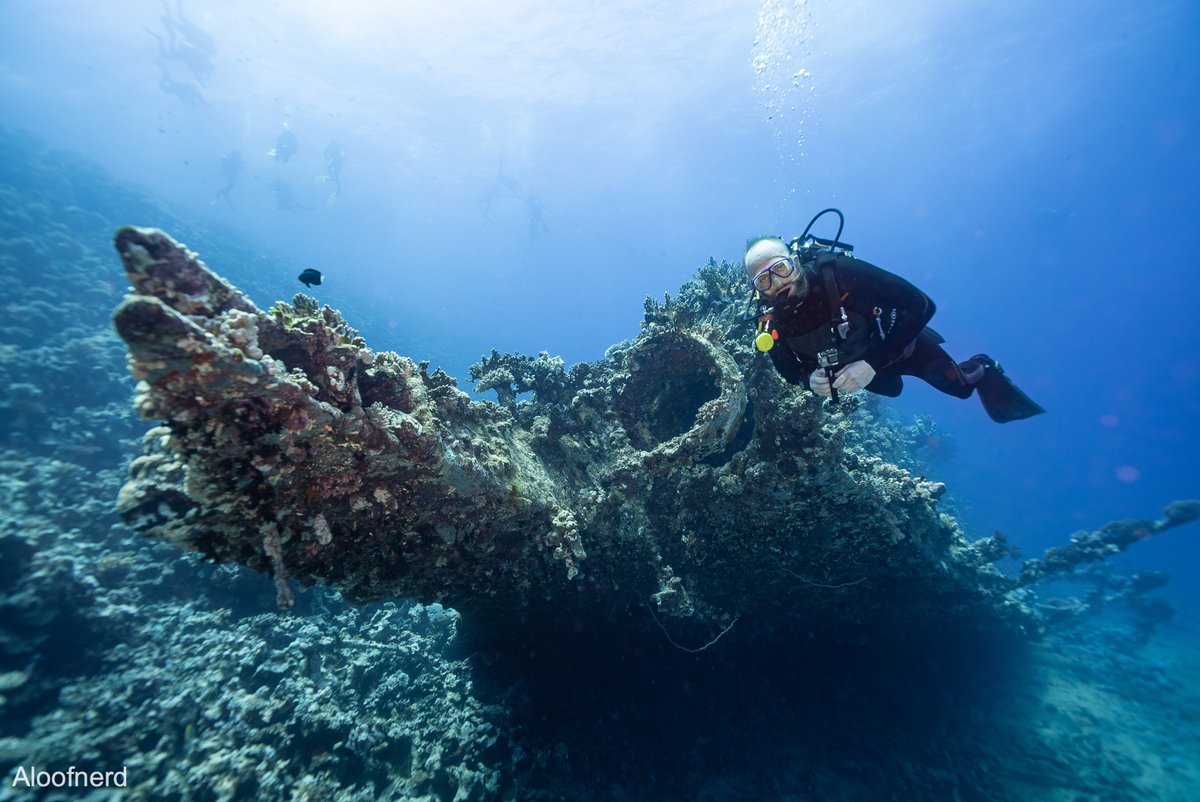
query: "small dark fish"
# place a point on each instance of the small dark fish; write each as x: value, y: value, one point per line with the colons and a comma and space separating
x: 310, y: 277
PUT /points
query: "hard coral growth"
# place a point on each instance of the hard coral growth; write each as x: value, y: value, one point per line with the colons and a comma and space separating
x: 1089, y: 547
x: 678, y: 479
x: 512, y: 374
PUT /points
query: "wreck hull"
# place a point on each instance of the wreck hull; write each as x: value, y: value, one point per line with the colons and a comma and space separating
x: 678, y: 481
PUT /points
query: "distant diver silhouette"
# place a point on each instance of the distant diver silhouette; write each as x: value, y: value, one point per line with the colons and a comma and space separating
x: 537, y: 222
x: 503, y: 187
x: 285, y: 196
x: 189, y: 93
x: 196, y: 38
x: 335, y: 157
x: 286, y: 145
x: 231, y: 168
x: 194, y: 52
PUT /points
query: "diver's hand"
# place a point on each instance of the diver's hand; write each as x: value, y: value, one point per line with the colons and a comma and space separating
x: 853, y: 377
x: 819, y: 383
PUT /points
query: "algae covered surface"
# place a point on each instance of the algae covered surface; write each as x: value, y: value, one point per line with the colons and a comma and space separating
x: 680, y: 475
x: 643, y: 480
x: 661, y: 575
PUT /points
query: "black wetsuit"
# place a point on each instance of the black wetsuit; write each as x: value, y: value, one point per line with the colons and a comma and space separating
x: 887, y: 329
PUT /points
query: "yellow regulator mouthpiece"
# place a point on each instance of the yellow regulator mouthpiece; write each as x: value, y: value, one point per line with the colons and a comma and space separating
x: 764, y: 341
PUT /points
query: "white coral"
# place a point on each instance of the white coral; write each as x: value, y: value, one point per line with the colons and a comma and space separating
x: 240, y: 329
x: 321, y: 530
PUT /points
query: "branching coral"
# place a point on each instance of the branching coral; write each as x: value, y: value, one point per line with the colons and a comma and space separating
x: 1088, y: 547
x: 512, y: 374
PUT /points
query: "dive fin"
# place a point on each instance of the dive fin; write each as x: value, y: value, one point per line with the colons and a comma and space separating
x: 1002, y: 400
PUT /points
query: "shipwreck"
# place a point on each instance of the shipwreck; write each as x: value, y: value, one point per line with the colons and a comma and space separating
x: 678, y: 482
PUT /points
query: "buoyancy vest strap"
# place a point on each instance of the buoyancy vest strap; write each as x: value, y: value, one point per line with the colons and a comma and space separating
x: 838, y: 314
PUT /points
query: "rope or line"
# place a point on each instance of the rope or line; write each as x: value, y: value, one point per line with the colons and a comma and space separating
x: 720, y: 635
x: 808, y: 581
x: 393, y: 647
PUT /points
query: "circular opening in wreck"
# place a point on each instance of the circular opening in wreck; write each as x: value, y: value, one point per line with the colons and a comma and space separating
x: 671, y: 377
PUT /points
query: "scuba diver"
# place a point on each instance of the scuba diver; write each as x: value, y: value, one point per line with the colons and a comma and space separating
x: 834, y: 323
x: 198, y: 61
x: 186, y: 91
x: 232, y: 165
x: 285, y: 196
x: 191, y: 34
x: 505, y: 186
x: 286, y: 145
x: 335, y: 157
x: 537, y: 223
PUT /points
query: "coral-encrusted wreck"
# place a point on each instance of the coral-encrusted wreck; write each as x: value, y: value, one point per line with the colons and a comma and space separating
x: 678, y: 476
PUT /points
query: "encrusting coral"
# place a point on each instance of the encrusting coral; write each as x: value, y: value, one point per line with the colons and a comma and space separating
x: 679, y: 476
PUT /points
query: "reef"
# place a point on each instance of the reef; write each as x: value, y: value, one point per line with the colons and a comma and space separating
x: 119, y: 650
x: 678, y: 482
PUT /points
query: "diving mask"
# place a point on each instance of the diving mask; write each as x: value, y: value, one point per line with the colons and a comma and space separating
x: 774, y: 274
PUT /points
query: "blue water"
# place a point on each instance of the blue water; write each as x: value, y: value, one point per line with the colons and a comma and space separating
x: 1034, y: 169
x: 520, y: 177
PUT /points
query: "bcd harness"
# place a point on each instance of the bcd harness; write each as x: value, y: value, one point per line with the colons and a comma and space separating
x: 845, y: 337
x: 846, y: 331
